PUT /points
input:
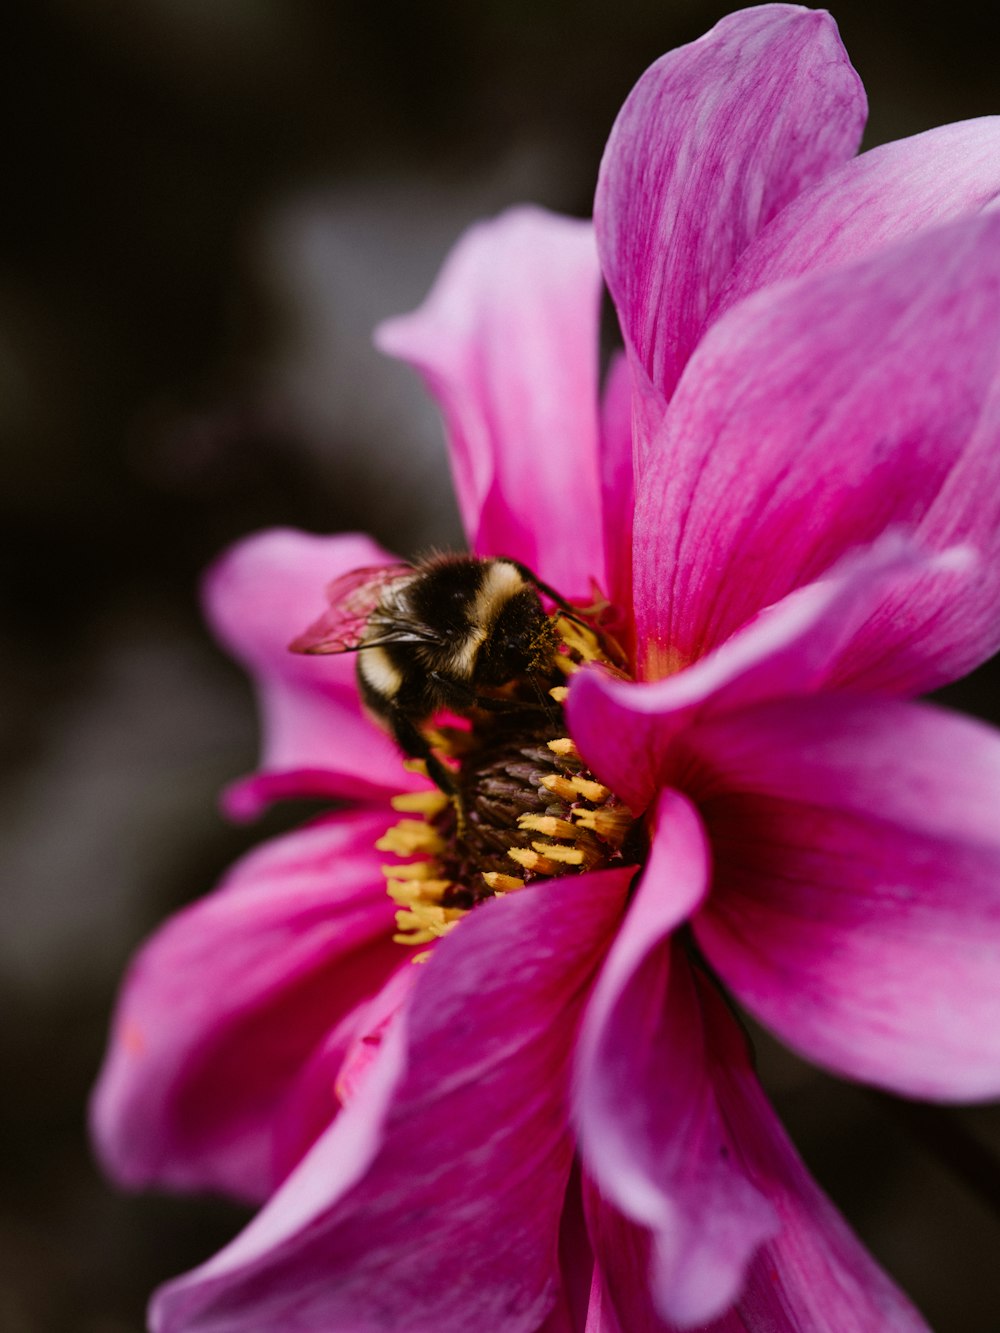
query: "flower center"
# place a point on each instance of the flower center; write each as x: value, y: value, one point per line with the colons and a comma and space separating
x: 526, y: 808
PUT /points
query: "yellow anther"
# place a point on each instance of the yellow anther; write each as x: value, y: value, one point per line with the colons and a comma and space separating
x: 415, y: 766
x: 538, y: 865
x: 579, y: 640
x: 410, y: 836
x: 501, y: 883
x: 569, y: 856
x: 564, y: 747
x: 412, y: 870
x: 403, y: 894
x: 414, y: 937
x: 611, y: 823
x: 422, y: 957
x: 427, y: 803
x: 410, y: 891
x: 565, y: 664
x: 559, y: 693
x: 547, y: 824
x: 590, y: 791
x: 561, y: 787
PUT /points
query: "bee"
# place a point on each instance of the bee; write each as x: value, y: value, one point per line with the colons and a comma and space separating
x: 451, y: 632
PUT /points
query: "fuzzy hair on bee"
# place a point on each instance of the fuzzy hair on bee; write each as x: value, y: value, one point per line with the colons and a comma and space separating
x: 450, y: 632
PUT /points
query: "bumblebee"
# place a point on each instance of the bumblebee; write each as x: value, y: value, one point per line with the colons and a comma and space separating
x: 449, y: 633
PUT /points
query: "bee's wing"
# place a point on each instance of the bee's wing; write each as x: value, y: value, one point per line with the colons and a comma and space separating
x: 353, y: 599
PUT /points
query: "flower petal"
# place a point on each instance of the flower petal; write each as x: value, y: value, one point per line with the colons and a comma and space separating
x: 625, y: 730
x: 885, y: 195
x: 451, y: 1221
x: 715, y: 138
x: 507, y: 344
x: 617, y: 482
x: 650, y: 1128
x: 226, y: 1006
x: 856, y: 907
x: 812, y: 1275
x: 811, y: 417
x: 317, y: 741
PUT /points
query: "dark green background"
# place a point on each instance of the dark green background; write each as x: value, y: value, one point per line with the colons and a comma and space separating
x: 206, y: 206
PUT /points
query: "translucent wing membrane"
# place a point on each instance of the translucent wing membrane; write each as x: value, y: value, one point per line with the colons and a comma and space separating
x: 354, y: 599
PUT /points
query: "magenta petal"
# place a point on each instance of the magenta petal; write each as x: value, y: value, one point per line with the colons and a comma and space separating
x: 856, y: 901
x: 813, y: 1275
x: 651, y: 1131
x: 617, y: 482
x: 317, y: 741
x: 225, y: 1008
x: 715, y: 138
x: 884, y: 195
x: 507, y: 343
x: 625, y: 730
x: 812, y: 416
x: 447, y: 1216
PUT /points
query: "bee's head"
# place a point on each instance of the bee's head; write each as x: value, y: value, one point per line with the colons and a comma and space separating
x: 520, y: 639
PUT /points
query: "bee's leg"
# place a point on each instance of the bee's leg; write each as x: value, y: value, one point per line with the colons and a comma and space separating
x: 413, y: 742
x: 463, y: 698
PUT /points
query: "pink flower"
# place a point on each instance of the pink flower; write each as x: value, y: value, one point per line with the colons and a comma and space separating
x: 791, y: 492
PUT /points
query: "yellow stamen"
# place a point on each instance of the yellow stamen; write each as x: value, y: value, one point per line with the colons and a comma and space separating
x: 564, y: 748
x: 590, y: 791
x: 547, y: 824
x: 559, y: 693
x: 412, y: 870
x: 415, y: 937
x: 579, y: 640
x: 569, y: 856
x: 409, y: 837
x: 427, y: 803
x: 538, y: 865
x: 611, y: 823
x: 501, y: 883
x: 561, y: 787
x: 405, y: 892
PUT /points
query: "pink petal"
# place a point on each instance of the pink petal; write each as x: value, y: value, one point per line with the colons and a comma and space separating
x: 507, y: 344
x: 625, y: 730
x: 856, y: 906
x: 617, y: 482
x: 433, y: 1203
x: 713, y: 141
x: 651, y: 1131
x: 813, y: 1275
x: 884, y: 195
x: 576, y: 1264
x: 227, y: 1005
x: 317, y: 741
x: 813, y: 415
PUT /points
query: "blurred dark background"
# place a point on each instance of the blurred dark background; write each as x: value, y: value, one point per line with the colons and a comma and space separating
x: 207, y: 208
